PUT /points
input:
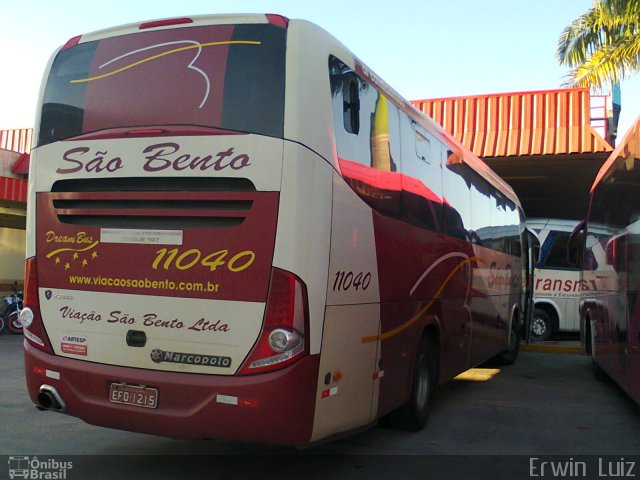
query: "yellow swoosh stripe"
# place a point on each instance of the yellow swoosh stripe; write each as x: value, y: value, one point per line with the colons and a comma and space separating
x: 164, y: 54
x: 412, y: 320
x: 55, y: 252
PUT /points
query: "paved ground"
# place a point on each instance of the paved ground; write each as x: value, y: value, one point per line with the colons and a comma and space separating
x: 545, y: 404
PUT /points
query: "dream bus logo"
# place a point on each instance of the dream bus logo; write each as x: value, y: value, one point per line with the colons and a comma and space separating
x: 35, y: 469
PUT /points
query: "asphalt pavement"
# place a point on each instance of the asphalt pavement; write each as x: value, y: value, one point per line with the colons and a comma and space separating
x: 547, y: 404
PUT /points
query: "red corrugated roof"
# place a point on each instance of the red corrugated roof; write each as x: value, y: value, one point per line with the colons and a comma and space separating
x: 13, y: 189
x: 547, y: 122
x: 16, y: 139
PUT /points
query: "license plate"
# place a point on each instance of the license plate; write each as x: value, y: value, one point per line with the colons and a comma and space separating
x: 135, y: 395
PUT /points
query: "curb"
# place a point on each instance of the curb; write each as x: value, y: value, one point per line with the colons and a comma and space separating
x: 552, y: 348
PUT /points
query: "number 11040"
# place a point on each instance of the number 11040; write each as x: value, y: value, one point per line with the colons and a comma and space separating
x: 345, y: 281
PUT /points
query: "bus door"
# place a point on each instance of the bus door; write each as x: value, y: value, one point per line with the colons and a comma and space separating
x: 611, y: 329
x: 631, y: 347
x: 557, y: 280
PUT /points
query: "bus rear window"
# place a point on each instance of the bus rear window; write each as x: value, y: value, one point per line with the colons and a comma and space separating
x: 225, y: 76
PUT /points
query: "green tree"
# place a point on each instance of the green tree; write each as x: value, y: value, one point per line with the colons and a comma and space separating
x: 603, y: 44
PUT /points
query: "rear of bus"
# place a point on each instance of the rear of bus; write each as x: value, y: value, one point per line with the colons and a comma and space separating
x: 154, y: 300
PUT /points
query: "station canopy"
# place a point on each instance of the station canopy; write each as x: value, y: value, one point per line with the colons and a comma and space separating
x: 542, y: 143
x: 14, y: 146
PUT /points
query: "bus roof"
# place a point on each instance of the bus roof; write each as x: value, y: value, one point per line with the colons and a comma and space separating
x: 189, y: 21
x: 629, y: 146
x: 462, y: 153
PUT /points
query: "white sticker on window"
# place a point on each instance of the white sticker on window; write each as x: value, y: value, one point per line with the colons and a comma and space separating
x: 153, y: 237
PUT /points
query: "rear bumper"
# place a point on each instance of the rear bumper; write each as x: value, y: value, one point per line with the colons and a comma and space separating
x: 276, y: 408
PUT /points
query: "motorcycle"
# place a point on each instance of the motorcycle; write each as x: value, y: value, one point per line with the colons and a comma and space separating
x: 11, y: 306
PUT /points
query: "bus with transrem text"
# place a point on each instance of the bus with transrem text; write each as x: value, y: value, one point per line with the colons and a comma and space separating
x: 558, y: 282
x: 237, y: 230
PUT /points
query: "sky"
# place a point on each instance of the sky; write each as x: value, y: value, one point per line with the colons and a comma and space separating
x: 422, y: 48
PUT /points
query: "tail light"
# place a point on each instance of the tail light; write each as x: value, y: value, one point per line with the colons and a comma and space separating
x: 34, y: 331
x: 283, y: 337
x: 277, y: 20
x: 72, y: 42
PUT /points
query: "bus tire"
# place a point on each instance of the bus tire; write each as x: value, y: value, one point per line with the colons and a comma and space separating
x: 509, y: 356
x: 413, y: 415
x: 588, y: 339
x: 598, y: 372
x: 541, y: 325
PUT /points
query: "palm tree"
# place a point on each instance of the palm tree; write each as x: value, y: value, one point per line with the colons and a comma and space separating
x: 603, y: 44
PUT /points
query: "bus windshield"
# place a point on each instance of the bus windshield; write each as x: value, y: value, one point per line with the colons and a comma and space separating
x: 221, y: 76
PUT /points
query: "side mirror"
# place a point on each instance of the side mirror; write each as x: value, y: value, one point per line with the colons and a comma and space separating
x: 575, y: 245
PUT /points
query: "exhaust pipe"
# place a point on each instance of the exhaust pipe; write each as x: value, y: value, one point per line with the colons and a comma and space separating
x: 50, y: 399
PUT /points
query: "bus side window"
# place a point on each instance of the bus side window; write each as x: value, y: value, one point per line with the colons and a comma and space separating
x: 456, y: 192
x: 421, y: 175
x: 367, y: 139
x: 480, y: 208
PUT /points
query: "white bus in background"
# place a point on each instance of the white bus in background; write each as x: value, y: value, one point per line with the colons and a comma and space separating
x: 557, y: 283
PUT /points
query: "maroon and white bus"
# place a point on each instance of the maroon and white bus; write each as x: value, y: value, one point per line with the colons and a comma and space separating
x: 237, y: 230
x: 610, y: 315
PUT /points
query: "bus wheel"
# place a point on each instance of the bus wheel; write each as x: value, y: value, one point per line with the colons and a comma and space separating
x: 413, y: 415
x: 541, y: 325
x: 509, y: 356
x: 588, y: 339
x: 598, y: 372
